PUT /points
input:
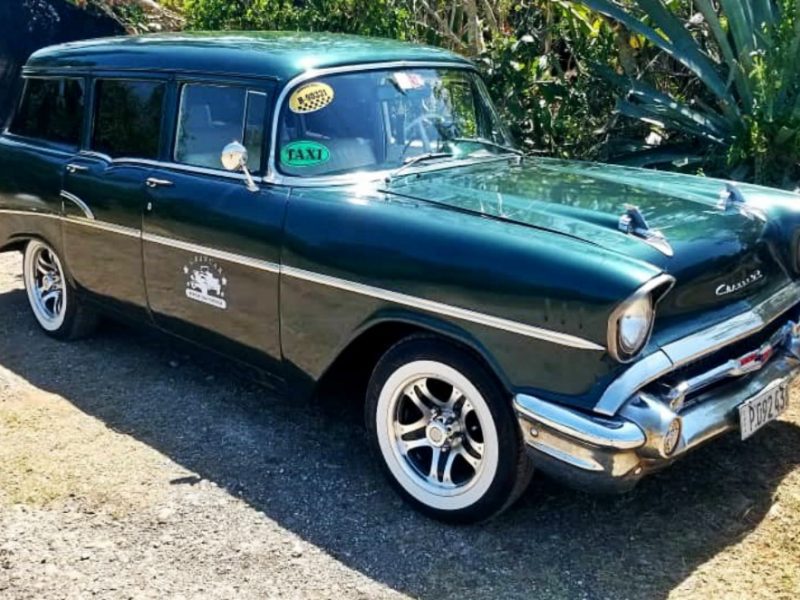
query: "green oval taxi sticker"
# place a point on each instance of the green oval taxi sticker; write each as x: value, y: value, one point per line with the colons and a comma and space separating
x: 304, y: 153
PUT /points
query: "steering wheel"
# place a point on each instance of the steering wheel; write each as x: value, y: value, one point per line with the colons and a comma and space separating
x: 422, y: 124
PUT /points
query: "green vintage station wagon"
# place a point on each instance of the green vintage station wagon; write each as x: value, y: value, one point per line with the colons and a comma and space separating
x: 320, y: 206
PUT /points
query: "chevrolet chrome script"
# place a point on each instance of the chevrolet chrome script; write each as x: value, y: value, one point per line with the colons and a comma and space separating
x: 729, y: 288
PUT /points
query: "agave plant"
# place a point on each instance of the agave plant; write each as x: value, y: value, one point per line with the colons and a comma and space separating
x: 745, y: 54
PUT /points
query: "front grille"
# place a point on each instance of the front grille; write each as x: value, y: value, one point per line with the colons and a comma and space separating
x: 707, y: 363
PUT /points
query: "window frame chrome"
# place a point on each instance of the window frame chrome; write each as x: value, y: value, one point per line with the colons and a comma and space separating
x: 273, y: 176
x: 53, y: 145
x: 181, y: 85
x: 86, y: 147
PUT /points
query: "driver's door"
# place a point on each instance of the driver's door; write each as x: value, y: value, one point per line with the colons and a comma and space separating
x: 211, y: 246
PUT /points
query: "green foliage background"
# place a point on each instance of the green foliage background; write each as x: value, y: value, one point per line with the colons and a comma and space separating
x: 584, y: 79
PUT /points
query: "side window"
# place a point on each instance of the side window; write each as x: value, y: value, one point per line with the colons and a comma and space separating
x: 212, y: 116
x: 127, y: 118
x: 52, y: 110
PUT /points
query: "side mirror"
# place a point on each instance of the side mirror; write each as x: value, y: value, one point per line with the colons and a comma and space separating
x: 234, y: 158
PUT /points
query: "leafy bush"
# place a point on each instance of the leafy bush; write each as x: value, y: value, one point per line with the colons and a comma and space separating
x: 540, y: 79
x: 739, y: 112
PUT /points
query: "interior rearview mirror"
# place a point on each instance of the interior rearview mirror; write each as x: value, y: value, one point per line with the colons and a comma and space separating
x: 234, y: 158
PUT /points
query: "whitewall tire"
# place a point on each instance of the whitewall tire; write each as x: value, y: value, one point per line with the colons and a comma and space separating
x: 445, y: 431
x: 57, y: 309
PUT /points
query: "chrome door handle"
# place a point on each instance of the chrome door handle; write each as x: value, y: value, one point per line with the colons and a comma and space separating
x: 153, y: 182
x: 73, y: 168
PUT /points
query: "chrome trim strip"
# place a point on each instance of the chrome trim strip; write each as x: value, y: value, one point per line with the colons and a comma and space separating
x: 27, y: 142
x: 694, y: 347
x: 366, y: 290
x: 623, y: 435
x: 123, y: 160
x: 104, y: 226
x: 81, y: 204
x: 707, y: 341
x: 443, y: 309
x: 29, y: 213
x: 274, y: 177
x: 247, y: 261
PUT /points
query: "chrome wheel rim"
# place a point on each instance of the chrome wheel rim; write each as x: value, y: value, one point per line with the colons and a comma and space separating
x: 437, y: 435
x: 44, y: 279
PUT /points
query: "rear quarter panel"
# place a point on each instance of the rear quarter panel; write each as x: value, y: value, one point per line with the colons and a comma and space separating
x: 30, y: 184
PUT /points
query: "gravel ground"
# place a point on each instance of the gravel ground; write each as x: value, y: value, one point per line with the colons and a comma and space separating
x: 133, y: 466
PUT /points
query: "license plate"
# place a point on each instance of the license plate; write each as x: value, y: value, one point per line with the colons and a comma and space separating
x: 763, y: 408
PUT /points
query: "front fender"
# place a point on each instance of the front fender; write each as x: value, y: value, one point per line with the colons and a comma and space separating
x: 350, y: 260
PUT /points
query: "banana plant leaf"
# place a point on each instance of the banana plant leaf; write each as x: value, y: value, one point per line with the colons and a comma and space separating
x: 678, y: 43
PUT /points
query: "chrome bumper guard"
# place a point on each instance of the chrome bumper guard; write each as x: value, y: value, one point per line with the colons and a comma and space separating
x: 611, y: 454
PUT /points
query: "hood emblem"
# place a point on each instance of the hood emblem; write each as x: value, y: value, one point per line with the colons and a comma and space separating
x: 732, y: 199
x: 724, y: 289
x: 634, y: 223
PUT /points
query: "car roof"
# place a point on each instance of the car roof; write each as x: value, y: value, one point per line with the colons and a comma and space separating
x: 280, y: 55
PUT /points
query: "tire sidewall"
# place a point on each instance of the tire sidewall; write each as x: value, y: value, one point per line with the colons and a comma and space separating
x: 485, y: 498
x: 60, y: 330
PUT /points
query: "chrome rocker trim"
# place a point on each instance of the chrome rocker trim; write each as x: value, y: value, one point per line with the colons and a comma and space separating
x: 601, y: 454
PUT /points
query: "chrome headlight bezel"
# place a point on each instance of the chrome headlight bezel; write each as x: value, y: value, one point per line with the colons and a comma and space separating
x: 647, y: 297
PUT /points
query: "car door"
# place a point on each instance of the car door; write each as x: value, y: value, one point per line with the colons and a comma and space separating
x: 104, y: 192
x: 211, y: 245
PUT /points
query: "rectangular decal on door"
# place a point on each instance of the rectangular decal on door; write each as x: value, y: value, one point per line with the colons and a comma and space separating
x: 206, y: 282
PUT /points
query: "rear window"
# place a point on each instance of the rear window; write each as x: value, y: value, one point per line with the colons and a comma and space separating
x: 51, y: 110
x: 212, y: 116
x: 127, y: 118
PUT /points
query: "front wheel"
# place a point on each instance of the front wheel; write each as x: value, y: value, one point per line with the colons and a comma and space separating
x: 53, y: 301
x: 445, y: 431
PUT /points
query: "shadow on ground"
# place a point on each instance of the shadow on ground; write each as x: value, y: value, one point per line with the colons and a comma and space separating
x: 307, y: 467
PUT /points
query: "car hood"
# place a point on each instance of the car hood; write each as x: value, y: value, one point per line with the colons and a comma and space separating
x: 717, y: 256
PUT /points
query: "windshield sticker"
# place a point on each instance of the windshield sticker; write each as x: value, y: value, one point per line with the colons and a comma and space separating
x: 408, y: 81
x: 304, y: 153
x: 311, y: 97
x: 205, y: 282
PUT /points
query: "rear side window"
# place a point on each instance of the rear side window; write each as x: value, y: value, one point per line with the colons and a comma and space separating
x: 212, y: 116
x: 51, y: 110
x: 127, y: 118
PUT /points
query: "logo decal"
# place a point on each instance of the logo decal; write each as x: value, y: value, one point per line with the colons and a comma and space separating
x: 311, y: 97
x: 729, y: 288
x: 205, y: 282
x: 304, y: 154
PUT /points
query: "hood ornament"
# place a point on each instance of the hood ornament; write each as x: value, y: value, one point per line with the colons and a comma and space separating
x: 732, y: 199
x: 634, y: 223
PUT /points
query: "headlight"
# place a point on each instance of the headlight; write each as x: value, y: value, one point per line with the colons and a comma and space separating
x: 634, y: 325
x: 631, y: 323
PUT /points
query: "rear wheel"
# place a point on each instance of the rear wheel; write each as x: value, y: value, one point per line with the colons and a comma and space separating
x: 445, y: 431
x: 52, y: 299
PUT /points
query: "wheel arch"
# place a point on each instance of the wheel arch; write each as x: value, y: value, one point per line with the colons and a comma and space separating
x: 16, y: 244
x: 357, y: 358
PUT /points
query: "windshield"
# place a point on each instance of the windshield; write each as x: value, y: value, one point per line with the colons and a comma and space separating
x: 381, y: 120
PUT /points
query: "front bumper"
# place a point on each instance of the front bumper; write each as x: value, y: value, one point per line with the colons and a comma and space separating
x: 611, y: 454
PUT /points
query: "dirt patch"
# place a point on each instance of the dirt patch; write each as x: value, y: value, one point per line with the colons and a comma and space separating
x: 131, y: 465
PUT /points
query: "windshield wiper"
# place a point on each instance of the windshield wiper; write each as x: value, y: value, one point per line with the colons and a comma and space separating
x: 486, y: 142
x: 417, y: 159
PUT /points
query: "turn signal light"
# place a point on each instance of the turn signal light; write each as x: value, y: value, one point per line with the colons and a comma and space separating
x: 672, y: 437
